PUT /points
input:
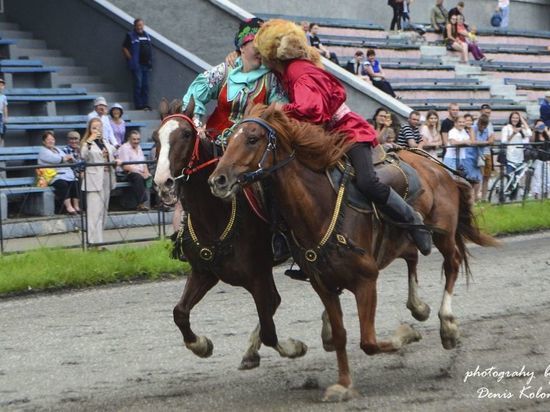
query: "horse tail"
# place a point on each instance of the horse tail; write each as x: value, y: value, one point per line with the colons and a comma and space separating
x: 468, y: 229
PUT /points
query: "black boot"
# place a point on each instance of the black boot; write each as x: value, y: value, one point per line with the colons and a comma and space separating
x: 279, y: 245
x: 296, y: 274
x: 400, y: 211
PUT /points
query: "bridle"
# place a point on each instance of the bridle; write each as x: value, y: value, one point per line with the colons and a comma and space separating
x: 191, y: 166
x: 261, y: 172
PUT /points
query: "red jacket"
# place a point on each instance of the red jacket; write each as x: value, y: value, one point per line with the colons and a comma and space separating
x: 316, y: 95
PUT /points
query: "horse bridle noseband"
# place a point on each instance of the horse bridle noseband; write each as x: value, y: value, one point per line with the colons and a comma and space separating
x: 188, y: 170
x: 260, y: 173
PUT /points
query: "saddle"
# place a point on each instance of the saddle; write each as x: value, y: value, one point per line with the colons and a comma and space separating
x: 390, y: 170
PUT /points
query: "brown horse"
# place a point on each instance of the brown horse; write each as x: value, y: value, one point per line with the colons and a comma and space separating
x: 295, y: 155
x: 222, y: 241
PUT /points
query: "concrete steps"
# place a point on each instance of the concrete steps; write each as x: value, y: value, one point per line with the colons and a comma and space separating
x: 18, y: 52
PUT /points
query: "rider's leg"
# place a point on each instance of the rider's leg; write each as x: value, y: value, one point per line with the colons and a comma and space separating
x: 386, y: 198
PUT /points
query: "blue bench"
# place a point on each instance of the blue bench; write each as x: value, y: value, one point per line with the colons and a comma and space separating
x: 465, y: 104
x: 60, y: 91
x: 17, y: 69
x: 37, y: 201
x: 20, y: 63
x: 529, y: 84
x: 25, y: 123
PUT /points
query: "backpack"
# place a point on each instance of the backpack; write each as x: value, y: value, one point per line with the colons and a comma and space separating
x: 496, y: 19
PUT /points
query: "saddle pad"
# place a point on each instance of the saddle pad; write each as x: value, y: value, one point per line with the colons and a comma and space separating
x: 394, y: 172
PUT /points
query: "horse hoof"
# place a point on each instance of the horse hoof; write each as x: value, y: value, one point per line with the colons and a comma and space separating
x: 300, y: 349
x: 328, y: 346
x: 406, y: 334
x: 250, y: 362
x: 339, y: 393
x: 202, y: 347
x: 449, y: 336
x: 449, y: 342
x: 421, y: 312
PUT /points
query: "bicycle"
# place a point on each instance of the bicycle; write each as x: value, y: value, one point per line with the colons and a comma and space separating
x: 507, y: 187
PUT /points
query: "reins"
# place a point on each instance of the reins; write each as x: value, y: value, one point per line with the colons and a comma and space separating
x: 261, y: 172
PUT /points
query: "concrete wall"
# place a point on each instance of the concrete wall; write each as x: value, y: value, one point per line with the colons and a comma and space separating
x: 71, y: 27
x: 525, y: 14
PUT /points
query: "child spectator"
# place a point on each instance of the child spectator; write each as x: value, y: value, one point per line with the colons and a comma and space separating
x: 376, y: 74
x: 118, y: 124
x: 431, y: 136
x: 3, y: 112
x: 316, y: 42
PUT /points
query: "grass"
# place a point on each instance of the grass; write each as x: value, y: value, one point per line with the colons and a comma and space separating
x: 514, y: 218
x: 50, y: 269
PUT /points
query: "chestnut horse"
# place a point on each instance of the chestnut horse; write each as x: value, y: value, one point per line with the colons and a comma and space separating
x: 296, y: 155
x: 226, y: 242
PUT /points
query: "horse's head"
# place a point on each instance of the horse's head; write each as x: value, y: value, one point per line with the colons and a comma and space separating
x: 250, y: 151
x: 175, y: 141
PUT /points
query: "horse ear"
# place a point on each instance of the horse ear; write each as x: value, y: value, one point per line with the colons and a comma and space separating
x: 175, y: 106
x: 190, y: 109
x: 164, y: 108
x: 268, y: 111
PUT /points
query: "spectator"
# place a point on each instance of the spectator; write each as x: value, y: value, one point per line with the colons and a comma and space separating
x: 100, y: 111
x: 438, y: 17
x: 73, y: 148
x: 541, y: 175
x: 545, y: 109
x: 453, y: 39
x: 449, y: 122
x: 138, y: 52
x: 305, y: 26
x: 397, y: 6
x: 64, y: 182
x: 138, y: 174
x: 469, y: 38
x: 470, y: 162
x: 316, y: 42
x: 118, y: 124
x: 409, y: 135
x: 458, y: 136
x: 484, y: 134
x: 98, y: 180
x: 430, y: 134
x: 516, y: 131
x: 384, y: 133
x: 356, y: 64
x: 376, y: 74
x: 503, y: 8
x: 3, y: 111
x: 458, y: 10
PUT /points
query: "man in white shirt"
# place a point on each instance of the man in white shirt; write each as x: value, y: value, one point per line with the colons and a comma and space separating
x: 100, y: 111
x: 504, y: 8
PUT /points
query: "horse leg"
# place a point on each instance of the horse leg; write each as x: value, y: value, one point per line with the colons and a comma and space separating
x: 251, y: 358
x: 326, y: 333
x: 196, y: 287
x: 267, y: 301
x: 449, y: 326
x: 365, y: 296
x: 343, y: 390
x: 419, y: 309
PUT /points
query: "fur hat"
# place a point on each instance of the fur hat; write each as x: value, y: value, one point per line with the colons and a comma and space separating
x: 282, y: 40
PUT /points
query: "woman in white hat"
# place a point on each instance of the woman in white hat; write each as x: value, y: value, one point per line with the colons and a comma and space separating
x: 118, y: 124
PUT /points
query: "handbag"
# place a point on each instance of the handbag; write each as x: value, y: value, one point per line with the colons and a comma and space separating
x: 44, y: 176
x: 496, y: 19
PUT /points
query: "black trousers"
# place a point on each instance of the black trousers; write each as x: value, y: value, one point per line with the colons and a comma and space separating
x: 137, y: 182
x: 360, y: 155
x: 66, y: 189
x: 397, y: 16
x: 385, y: 86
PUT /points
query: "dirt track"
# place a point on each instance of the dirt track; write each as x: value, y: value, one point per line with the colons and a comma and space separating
x: 117, y: 348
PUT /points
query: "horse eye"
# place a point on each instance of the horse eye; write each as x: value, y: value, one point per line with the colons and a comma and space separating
x: 187, y: 134
x: 252, y: 140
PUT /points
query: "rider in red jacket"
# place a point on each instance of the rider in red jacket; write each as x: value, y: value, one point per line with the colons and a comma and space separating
x: 316, y: 96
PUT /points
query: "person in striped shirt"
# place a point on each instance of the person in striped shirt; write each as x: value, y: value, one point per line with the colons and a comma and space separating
x: 409, y: 135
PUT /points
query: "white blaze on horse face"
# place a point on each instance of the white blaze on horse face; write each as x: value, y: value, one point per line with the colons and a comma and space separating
x: 163, y: 162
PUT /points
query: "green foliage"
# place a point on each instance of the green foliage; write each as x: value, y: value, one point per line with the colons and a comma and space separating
x: 514, y: 218
x: 61, y: 268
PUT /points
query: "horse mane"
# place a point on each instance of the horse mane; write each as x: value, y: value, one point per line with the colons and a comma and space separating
x: 314, y: 147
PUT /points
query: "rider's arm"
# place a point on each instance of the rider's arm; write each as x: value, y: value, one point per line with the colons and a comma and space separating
x: 204, y: 88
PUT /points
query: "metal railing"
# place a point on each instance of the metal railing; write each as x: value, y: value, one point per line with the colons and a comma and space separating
x: 124, y: 226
